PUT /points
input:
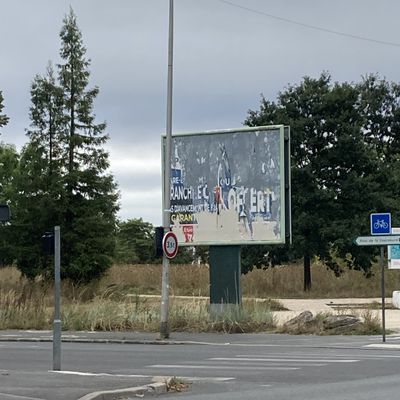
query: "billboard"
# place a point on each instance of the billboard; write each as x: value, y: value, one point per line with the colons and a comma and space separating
x: 230, y: 187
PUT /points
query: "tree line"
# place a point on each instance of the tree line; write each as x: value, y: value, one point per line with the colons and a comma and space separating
x: 345, y: 164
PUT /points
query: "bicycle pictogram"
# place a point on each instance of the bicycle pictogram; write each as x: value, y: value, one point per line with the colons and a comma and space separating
x: 381, y: 224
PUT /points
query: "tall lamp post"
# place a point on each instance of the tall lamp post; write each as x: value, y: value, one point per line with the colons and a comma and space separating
x: 164, y: 330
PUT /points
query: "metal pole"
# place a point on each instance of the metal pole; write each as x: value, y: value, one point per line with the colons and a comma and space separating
x: 383, y: 294
x: 57, y: 302
x: 164, y: 330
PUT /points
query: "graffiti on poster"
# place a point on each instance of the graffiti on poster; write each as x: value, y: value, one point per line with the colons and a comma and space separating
x: 227, y: 187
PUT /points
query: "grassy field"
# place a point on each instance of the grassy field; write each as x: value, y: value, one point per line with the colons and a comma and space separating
x: 279, y: 282
x: 123, y: 300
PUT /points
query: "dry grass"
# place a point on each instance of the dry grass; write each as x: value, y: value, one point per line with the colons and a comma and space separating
x: 116, y: 302
x: 118, y: 306
x: 187, y: 280
x: 278, y: 282
x: 23, y: 308
x: 287, y: 282
x: 138, y: 314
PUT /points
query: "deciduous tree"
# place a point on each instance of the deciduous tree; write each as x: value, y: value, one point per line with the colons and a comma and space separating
x: 338, y: 178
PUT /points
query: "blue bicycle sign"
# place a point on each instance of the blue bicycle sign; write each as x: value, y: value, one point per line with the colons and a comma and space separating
x: 381, y: 224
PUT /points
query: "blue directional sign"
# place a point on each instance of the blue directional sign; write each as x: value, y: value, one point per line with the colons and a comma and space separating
x: 381, y: 224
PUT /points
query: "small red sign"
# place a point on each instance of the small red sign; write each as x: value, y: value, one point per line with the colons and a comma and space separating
x: 170, y: 245
x: 188, y: 232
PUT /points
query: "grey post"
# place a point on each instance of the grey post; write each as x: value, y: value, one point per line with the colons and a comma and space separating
x: 383, y: 294
x: 164, y: 330
x: 57, y: 302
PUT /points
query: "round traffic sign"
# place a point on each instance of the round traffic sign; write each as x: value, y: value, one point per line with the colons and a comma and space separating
x: 170, y: 244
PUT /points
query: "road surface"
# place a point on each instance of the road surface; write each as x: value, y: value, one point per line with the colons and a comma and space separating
x: 263, y: 366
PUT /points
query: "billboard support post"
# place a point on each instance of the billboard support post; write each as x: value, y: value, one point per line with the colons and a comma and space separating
x: 164, y: 330
x: 225, y: 270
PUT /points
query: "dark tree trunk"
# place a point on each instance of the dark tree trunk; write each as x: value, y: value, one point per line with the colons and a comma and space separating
x: 307, y: 272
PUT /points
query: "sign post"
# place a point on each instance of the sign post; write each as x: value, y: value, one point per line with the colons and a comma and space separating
x: 381, y: 231
x: 383, y: 296
x: 164, y: 329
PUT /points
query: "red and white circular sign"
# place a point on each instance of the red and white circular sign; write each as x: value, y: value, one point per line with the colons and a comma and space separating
x: 170, y: 244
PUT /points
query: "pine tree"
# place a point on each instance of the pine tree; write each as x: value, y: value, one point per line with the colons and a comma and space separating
x: 91, y: 195
x: 38, y: 180
x: 63, y: 178
x: 47, y: 122
x: 8, y: 163
x: 8, y: 166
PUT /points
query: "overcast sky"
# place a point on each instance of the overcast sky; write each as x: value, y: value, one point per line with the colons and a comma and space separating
x: 224, y: 58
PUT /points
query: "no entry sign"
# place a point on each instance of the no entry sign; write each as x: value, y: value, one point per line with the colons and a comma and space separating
x: 170, y: 245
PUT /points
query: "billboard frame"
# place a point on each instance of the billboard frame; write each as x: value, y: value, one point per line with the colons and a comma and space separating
x: 284, y: 179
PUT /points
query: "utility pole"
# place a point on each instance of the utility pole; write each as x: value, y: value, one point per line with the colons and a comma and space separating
x: 57, y: 302
x: 164, y: 329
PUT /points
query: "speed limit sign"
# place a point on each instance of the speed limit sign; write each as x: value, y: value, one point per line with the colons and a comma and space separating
x: 170, y: 245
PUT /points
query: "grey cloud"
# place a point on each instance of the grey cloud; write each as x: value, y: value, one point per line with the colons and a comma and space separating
x: 224, y: 58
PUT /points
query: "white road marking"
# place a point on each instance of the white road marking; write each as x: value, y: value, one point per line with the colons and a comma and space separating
x: 14, y: 396
x: 94, y: 374
x: 219, y: 367
x: 383, y: 346
x: 389, y: 337
x: 244, y: 364
x: 310, y: 356
x: 206, y: 379
x: 281, y: 360
x: 100, y: 374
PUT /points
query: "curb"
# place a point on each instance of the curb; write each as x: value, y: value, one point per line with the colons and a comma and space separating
x: 154, y: 388
x: 104, y: 341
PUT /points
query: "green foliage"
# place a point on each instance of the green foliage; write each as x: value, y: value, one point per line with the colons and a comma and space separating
x: 62, y: 177
x: 8, y: 167
x: 135, y: 242
x: 339, y: 146
x: 3, y: 117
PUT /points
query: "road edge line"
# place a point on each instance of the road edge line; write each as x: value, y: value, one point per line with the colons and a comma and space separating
x: 154, y: 388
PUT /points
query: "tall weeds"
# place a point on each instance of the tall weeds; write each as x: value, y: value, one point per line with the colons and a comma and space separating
x: 23, y: 308
x: 115, y: 301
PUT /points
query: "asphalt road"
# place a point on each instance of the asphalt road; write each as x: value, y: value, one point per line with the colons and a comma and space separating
x: 221, y: 367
